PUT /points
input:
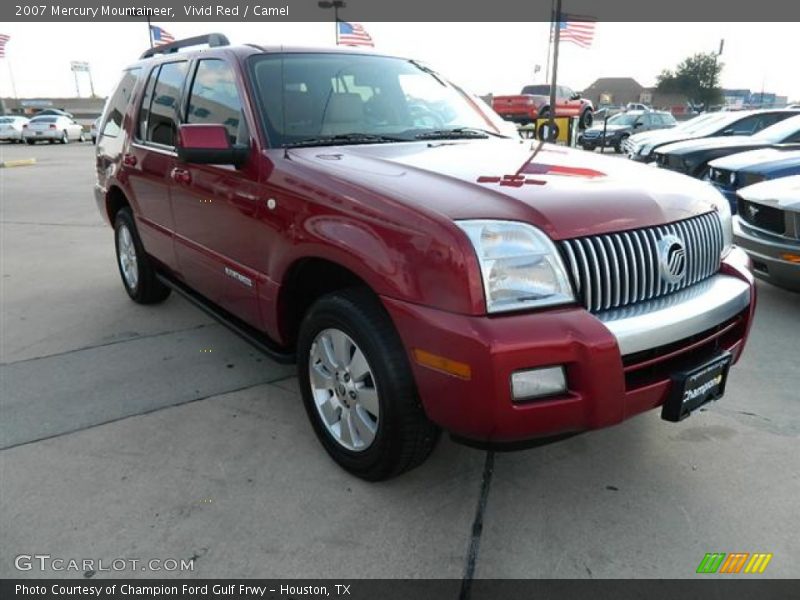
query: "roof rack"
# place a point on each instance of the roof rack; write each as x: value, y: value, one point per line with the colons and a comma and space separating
x: 213, y: 40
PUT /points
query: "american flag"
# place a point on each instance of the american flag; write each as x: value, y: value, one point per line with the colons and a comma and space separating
x: 354, y: 34
x: 161, y: 36
x: 3, y: 41
x: 578, y: 30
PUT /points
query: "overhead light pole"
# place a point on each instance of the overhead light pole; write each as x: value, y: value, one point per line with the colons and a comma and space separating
x: 335, y: 5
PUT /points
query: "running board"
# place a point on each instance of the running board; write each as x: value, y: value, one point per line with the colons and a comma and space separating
x: 249, y: 333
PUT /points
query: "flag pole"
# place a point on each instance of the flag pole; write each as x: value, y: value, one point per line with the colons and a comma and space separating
x: 149, y: 32
x: 549, y: 42
x: 556, y: 38
x: 336, y: 20
x: 13, y: 84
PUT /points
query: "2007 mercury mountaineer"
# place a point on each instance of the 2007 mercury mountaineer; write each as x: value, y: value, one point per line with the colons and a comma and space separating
x: 366, y: 217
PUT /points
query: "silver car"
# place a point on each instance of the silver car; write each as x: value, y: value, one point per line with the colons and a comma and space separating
x: 11, y: 128
x: 53, y: 128
x: 767, y: 226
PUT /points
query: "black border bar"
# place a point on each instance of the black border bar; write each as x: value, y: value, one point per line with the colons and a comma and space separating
x: 671, y: 13
x: 703, y: 587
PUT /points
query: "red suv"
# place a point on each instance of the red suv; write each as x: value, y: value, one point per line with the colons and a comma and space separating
x: 363, y: 216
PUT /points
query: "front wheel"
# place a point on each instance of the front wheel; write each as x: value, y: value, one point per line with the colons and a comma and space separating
x: 618, y: 145
x: 135, y: 267
x: 358, y: 388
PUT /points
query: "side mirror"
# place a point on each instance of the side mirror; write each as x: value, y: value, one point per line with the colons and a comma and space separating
x: 637, y: 124
x: 575, y: 96
x: 209, y: 145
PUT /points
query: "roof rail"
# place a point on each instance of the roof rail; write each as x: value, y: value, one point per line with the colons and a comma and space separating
x: 212, y: 39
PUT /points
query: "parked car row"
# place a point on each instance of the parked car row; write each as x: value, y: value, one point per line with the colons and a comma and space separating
x: 753, y: 159
x: 613, y: 132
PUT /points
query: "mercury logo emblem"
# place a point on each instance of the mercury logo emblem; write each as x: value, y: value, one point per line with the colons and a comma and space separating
x: 672, y: 259
x: 753, y: 211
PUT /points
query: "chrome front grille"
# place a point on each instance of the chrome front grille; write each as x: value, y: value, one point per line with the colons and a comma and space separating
x: 618, y: 269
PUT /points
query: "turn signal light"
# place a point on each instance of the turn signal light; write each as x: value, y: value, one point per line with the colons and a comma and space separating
x: 445, y: 365
x: 792, y: 258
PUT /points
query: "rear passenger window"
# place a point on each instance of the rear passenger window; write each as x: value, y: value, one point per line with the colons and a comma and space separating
x: 158, y: 118
x: 214, y: 99
x: 118, y: 103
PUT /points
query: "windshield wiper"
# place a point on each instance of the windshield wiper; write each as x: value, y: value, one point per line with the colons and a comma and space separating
x: 345, y: 138
x: 458, y: 133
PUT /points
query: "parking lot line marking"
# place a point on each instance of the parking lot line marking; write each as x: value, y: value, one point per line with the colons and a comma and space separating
x: 20, y: 162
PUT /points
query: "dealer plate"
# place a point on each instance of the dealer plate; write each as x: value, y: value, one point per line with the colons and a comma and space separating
x: 692, y: 389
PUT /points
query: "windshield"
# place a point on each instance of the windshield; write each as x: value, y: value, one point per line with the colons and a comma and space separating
x: 623, y: 119
x: 716, y: 123
x: 698, y: 121
x: 775, y: 134
x: 311, y: 96
x: 44, y: 119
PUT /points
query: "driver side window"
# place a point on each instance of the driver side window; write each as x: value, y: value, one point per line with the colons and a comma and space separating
x: 214, y: 99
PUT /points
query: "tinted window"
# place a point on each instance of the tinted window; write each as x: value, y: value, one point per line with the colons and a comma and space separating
x: 536, y: 90
x: 215, y: 99
x: 159, y: 123
x: 754, y: 123
x: 118, y: 102
x: 44, y: 119
x: 144, y: 111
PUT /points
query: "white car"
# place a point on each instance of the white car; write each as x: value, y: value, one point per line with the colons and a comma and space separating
x: 53, y: 128
x: 11, y: 128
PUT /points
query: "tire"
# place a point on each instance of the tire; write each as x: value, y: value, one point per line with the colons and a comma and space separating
x: 384, y: 431
x: 30, y: 142
x: 586, y: 120
x: 65, y: 137
x: 618, y: 145
x: 588, y: 147
x: 135, y: 268
x: 82, y: 137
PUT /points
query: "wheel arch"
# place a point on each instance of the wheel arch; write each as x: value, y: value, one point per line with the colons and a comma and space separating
x: 305, y: 281
x: 115, y: 201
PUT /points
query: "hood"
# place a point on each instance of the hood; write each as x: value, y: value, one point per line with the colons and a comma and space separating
x: 567, y: 193
x: 763, y: 159
x: 783, y: 193
x: 712, y: 143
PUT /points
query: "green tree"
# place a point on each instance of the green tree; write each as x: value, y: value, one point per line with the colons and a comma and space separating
x: 697, y: 77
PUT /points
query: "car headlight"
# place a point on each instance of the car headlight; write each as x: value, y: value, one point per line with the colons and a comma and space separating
x: 645, y: 150
x: 520, y: 266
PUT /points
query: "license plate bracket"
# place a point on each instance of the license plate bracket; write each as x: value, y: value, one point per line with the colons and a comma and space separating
x: 695, y: 387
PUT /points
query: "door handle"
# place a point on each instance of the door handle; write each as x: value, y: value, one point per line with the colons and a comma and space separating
x: 129, y: 160
x: 181, y: 176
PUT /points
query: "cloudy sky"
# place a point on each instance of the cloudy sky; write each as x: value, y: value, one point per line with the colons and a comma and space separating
x: 485, y: 57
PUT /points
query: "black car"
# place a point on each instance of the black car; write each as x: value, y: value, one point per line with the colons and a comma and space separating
x: 642, y: 146
x: 692, y: 156
x: 616, y: 129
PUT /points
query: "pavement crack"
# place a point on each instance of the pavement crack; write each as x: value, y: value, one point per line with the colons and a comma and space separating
x: 140, y: 414
x: 109, y: 343
x: 477, y: 528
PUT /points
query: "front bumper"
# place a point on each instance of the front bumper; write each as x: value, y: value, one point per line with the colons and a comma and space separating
x: 597, y: 142
x: 617, y: 365
x: 765, y: 250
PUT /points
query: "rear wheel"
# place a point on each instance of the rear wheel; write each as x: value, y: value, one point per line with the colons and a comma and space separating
x: 30, y: 142
x: 358, y: 388
x: 135, y: 267
x: 65, y: 137
x: 82, y: 137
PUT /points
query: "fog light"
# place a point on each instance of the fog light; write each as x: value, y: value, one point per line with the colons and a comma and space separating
x: 538, y: 383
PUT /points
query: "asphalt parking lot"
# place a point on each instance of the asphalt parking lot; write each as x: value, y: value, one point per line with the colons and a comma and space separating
x: 153, y: 432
